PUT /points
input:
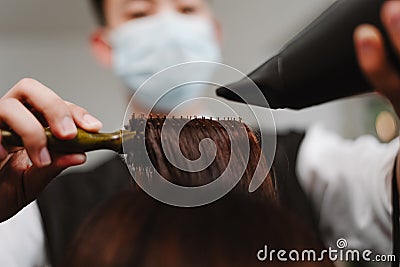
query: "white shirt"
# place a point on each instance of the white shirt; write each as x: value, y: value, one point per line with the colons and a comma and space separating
x: 349, y: 183
x: 22, y: 241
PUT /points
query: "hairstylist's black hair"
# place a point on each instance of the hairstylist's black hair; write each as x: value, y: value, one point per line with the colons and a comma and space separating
x: 98, y: 6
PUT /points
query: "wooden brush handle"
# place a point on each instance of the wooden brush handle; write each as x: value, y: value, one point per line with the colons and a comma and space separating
x: 83, y: 142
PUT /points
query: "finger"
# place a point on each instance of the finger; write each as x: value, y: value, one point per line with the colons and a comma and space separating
x: 47, y: 103
x: 36, y: 179
x: 24, y: 123
x: 390, y: 15
x: 373, y: 62
x: 83, y: 119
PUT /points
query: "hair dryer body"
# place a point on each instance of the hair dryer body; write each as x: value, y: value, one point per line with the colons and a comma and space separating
x: 319, y: 64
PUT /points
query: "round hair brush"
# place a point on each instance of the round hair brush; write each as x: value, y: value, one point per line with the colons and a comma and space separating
x: 83, y: 142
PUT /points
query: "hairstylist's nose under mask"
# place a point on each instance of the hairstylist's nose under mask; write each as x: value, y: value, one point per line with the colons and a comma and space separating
x: 146, y: 46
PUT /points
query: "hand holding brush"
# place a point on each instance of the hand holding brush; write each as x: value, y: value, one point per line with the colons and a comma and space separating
x: 27, y: 108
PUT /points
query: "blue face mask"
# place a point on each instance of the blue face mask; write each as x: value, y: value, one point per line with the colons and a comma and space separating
x: 146, y: 46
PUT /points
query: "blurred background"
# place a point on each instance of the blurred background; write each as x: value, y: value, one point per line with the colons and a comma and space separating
x: 49, y: 40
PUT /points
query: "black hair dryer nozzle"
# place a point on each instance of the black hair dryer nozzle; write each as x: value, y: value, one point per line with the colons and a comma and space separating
x: 319, y: 64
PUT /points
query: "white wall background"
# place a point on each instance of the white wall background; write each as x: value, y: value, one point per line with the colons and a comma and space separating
x: 48, y: 40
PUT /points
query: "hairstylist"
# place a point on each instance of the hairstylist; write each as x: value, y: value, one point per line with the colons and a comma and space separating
x: 135, y: 39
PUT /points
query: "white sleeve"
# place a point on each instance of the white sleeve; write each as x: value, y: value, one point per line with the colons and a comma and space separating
x: 349, y: 184
x: 22, y: 241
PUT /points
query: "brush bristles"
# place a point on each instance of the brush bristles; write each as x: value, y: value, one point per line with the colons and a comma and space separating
x: 137, y: 152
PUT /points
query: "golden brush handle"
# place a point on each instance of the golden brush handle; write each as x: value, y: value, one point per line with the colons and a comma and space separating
x: 83, y: 142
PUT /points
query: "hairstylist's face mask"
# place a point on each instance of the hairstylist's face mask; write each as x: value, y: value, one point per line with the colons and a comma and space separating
x: 146, y: 46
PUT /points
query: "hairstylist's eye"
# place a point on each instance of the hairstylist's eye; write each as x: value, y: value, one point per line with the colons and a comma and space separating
x: 137, y: 15
x: 138, y: 9
x: 188, y: 10
x: 189, y: 7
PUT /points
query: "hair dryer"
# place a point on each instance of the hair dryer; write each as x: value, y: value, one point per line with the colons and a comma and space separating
x: 319, y: 64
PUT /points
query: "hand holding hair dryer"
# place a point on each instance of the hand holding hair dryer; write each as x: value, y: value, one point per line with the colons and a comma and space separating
x: 319, y: 64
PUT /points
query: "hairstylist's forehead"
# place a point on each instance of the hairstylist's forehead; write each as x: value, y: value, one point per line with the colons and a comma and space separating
x: 119, y: 11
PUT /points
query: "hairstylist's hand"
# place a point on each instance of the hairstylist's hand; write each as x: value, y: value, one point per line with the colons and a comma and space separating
x: 372, y: 55
x: 26, y: 108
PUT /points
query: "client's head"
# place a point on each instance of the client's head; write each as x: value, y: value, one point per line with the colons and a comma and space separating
x: 133, y: 229
x: 173, y: 146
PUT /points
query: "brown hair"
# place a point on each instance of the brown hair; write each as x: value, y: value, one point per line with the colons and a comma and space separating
x: 133, y: 229
x: 229, y: 150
